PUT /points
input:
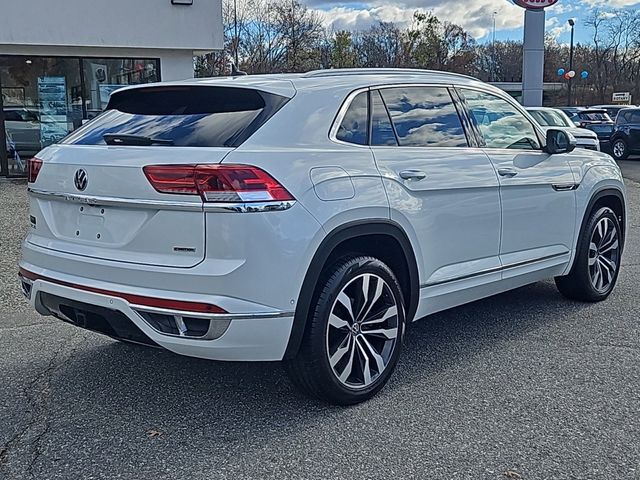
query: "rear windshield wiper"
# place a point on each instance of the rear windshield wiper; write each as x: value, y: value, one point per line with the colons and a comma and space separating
x: 137, y: 140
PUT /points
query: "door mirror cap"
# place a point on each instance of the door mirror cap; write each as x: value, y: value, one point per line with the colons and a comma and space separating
x: 559, y: 141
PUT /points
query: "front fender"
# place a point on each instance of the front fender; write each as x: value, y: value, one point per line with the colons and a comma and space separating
x: 598, y: 181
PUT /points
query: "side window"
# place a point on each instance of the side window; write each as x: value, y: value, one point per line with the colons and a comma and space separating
x: 634, y: 117
x: 501, y: 124
x: 354, y: 126
x: 622, y: 118
x: 381, y: 129
x: 424, y: 117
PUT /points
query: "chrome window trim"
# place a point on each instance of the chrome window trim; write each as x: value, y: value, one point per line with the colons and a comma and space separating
x: 240, y: 207
x: 347, y: 103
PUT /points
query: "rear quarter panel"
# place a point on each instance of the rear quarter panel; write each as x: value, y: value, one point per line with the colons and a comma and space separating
x: 335, y: 184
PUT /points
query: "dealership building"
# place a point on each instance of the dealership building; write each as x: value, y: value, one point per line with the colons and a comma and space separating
x: 59, y: 61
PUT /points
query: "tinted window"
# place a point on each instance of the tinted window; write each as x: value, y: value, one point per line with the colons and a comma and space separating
x: 623, y: 117
x: 501, y: 124
x: 186, y: 116
x: 424, y: 117
x: 381, y: 128
x: 354, y: 126
x: 631, y: 116
x: 595, y: 116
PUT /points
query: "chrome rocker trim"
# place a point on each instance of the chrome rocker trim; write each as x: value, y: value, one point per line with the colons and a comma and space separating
x: 494, y: 270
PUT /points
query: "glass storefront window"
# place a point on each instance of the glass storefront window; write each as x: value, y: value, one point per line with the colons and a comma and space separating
x: 46, y: 98
x: 38, y: 104
x: 104, y: 75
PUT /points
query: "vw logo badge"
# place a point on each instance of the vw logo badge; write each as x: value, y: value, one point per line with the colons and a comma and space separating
x: 80, y: 179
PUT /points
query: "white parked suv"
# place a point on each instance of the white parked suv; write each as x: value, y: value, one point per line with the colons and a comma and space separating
x: 308, y: 218
x: 554, y: 118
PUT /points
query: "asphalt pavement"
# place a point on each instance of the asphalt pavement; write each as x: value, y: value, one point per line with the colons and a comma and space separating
x: 524, y: 385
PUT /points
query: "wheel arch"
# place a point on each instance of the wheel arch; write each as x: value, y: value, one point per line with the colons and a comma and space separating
x: 344, y: 236
x: 609, y: 197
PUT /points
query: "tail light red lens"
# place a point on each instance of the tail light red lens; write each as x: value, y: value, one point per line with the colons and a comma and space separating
x: 33, y: 169
x: 217, y: 183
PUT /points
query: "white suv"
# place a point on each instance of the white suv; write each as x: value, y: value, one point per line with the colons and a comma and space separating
x: 308, y: 218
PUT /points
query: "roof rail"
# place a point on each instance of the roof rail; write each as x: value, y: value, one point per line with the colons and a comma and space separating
x: 335, y: 72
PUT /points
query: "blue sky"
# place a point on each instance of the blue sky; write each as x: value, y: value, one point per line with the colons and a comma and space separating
x: 475, y: 15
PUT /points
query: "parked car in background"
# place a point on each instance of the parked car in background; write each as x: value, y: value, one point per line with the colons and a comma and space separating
x: 23, y: 124
x: 625, y: 140
x: 612, y: 110
x: 549, y: 118
x: 599, y: 121
x: 571, y: 112
x: 309, y: 218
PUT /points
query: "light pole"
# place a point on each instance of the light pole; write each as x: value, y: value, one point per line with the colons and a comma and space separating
x: 493, y: 50
x: 570, y: 85
x: 236, y: 40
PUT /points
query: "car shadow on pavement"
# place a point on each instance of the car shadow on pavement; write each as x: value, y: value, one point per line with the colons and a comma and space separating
x: 149, y: 379
x: 111, y: 394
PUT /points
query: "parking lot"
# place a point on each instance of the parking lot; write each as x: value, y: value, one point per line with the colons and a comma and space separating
x: 522, y: 385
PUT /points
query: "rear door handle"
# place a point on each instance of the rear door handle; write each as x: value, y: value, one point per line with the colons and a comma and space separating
x: 507, y: 172
x: 413, y: 175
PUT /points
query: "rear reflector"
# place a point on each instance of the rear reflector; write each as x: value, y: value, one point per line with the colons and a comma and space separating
x: 33, y: 168
x: 217, y: 183
x: 133, y: 299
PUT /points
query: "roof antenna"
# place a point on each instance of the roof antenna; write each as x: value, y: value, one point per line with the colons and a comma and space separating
x: 235, y: 72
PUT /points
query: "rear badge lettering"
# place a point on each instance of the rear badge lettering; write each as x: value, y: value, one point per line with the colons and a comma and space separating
x: 184, y: 249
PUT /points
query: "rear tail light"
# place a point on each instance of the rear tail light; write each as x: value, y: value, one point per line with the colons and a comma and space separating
x: 217, y: 183
x: 33, y: 168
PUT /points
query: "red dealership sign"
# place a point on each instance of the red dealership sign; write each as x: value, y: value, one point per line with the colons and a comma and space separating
x: 535, y: 4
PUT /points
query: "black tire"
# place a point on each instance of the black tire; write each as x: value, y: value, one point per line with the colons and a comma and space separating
x: 582, y: 283
x: 311, y: 370
x: 620, y: 149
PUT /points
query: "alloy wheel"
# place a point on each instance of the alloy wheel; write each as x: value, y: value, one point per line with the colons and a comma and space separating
x: 619, y: 149
x: 362, y: 332
x: 604, y: 254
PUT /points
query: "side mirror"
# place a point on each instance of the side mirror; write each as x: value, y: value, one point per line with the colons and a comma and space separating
x: 559, y: 141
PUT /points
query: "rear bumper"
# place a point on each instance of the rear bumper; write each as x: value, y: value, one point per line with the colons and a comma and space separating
x: 252, y: 336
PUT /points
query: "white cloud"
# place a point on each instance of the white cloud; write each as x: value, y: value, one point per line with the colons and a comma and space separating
x: 476, y: 16
x: 611, y: 3
x: 556, y: 27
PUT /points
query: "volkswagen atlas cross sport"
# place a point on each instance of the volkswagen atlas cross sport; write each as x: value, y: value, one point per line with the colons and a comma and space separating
x: 309, y: 218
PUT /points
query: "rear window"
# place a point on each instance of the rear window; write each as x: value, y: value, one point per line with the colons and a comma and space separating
x: 595, y: 116
x: 188, y: 116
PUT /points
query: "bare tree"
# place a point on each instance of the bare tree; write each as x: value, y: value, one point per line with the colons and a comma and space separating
x: 270, y: 36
